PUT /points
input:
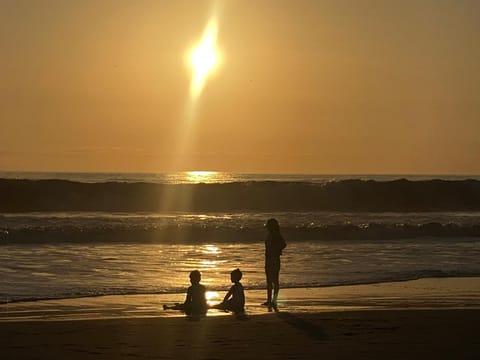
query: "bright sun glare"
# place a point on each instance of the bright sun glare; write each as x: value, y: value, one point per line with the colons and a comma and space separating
x: 204, y: 58
x: 200, y: 176
x: 212, y: 297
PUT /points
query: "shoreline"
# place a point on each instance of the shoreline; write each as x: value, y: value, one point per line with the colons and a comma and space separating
x: 246, y: 289
x: 428, y: 318
x: 426, y: 293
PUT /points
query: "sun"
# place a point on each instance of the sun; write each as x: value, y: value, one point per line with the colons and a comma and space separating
x: 204, y: 58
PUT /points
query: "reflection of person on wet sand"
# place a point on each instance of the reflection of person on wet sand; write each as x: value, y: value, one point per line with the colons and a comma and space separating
x: 235, y: 299
x: 274, y: 244
x: 195, y: 303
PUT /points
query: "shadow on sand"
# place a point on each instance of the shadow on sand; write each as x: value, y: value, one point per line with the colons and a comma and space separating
x: 309, y: 328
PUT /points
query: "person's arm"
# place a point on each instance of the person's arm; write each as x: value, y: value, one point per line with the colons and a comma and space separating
x: 188, y: 299
x: 229, y: 293
x: 280, y: 244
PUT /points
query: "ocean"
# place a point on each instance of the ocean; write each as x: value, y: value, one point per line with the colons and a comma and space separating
x: 65, y: 235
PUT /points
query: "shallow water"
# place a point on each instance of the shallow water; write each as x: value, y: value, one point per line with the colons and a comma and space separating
x: 65, y: 254
x: 72, y: 270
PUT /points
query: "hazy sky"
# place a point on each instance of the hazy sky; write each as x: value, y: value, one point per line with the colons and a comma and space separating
x: 358, y: 86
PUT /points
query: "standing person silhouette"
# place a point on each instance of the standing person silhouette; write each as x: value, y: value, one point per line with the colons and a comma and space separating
x: 274, y: 244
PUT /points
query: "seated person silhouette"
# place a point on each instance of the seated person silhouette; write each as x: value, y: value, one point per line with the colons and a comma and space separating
x: 234, y: 301
x: 195, y: 303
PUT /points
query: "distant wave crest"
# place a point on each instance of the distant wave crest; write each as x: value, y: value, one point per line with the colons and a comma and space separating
x: 346, y: 195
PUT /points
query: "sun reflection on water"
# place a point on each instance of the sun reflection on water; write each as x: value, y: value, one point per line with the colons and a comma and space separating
x: 212, y: 297
x: 201, y: 176
x: 210, y: 249
x: 196, y: 177
x: 209, y: 263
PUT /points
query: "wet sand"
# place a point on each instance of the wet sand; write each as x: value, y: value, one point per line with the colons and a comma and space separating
x: 430, y: 318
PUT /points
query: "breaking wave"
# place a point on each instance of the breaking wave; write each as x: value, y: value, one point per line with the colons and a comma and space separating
x: 346, y: 195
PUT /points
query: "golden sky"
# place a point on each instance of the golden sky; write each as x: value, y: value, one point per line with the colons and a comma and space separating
x: 305, y: 86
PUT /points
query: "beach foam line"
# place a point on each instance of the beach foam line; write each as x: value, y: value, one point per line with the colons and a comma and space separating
x: 432, y: 293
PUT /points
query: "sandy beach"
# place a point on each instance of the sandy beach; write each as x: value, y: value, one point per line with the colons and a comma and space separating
x: 428, y: 318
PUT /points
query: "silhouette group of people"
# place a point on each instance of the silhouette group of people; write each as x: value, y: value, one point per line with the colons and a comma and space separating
x: 234, y: 301
x: 196, y: 302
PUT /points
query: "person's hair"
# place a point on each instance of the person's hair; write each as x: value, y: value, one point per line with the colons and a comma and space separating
x: 236, y: 275
x: 273, y: 225
x: 195, y: 276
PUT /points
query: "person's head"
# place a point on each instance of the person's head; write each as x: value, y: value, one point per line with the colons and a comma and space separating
x: 272, y: 225
x: 236, y: 275
x: 195, y: 277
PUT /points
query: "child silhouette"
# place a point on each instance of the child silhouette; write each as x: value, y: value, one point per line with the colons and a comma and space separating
x: 234, y: 300
x: 195, y: 303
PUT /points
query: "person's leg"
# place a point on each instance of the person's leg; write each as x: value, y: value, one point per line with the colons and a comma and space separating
x: 177, y: 306
x: 233, y: 306
x: 220, y: 306
x: 276, y: 287
x: 269, y: 288
x: 187, y: 309
x: 269, y: 292
x: 237, y: 309
x: 228, y: 305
